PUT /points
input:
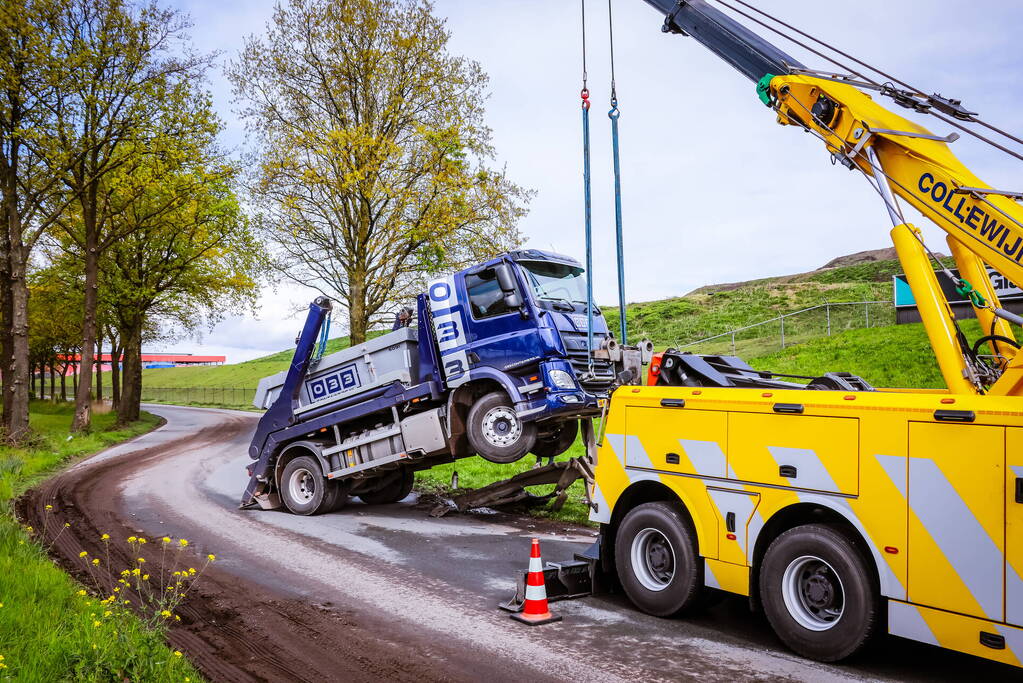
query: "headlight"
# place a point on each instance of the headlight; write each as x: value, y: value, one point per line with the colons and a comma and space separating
x: 561, y: 379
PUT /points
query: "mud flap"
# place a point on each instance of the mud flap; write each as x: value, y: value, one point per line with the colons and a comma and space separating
x: 576, y: 578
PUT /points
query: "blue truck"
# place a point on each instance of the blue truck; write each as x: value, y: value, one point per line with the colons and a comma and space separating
x: 495, y: 362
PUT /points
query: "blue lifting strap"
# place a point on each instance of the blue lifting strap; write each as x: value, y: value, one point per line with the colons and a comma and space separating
x: 613, y: 114
x: 585, y: 95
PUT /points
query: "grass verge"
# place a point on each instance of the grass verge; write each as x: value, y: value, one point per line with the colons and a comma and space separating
x: 50, y: 628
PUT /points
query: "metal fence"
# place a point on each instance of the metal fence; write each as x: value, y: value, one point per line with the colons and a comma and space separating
x: 237, y: 397
x: 796, y: 327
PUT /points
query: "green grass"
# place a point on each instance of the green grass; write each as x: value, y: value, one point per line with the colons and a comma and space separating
x: 48, y: 629
x: 718, y: 309
x: 897, y: 356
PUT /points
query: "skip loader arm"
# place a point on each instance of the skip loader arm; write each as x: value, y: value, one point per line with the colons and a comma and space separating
x: 282, y: 413
x: 900, y: 159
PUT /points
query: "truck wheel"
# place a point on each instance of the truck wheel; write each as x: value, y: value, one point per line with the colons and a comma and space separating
x: 496, y: 432
x: 818, y: 592
x: 304, y: 490
x: 558, y: 442
x: 656, y: 559
x: 397, y: 489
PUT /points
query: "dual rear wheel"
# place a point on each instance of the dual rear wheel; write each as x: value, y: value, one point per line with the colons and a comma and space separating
x: 305, y: 491
x: 816, y: 588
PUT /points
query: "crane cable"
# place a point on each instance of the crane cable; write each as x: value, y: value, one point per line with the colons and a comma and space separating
x: 884, y: 88
x: 584, y: 94
x: 614, y: 114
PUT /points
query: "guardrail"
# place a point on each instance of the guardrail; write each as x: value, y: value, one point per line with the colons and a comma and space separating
x: 238, y: 397
x: 815, y: 321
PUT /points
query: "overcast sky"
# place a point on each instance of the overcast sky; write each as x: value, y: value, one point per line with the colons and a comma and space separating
x: 713, y: 189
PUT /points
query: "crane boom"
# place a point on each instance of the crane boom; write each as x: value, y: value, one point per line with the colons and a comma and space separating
x: 901, y: 159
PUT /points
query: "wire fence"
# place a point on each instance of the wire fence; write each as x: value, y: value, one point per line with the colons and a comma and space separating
x: 797, y: 327
x: 232, y: 397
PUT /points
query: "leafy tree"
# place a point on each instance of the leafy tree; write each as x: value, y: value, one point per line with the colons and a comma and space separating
x: 123, y: 72
x: 30, y: 189
x: 187, y: 254
x: 372, y: 151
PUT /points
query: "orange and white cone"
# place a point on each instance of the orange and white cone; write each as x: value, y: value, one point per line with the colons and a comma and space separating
x: 534, y: 608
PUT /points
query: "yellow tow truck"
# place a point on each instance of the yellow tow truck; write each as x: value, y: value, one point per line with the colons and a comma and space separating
x: 839, y: 509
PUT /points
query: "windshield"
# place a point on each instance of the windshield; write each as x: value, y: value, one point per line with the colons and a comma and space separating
x: 556, y: 281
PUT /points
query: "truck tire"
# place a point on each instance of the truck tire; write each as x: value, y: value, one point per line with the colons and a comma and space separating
x: 657, y: 561
x: 496, y: 432
x: 396, y: 489
x: 557, y: 443
x: 304, y: 490
x: 819, y: 593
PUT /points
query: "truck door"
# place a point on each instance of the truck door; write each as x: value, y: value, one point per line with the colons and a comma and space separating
x: 957, y: 518
x: 498, y: 336
x: 1014, y: 525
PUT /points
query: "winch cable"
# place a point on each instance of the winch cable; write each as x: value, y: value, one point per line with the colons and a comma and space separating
x: 614, y: 114
x: 584, y: 94
x: 886, y: 88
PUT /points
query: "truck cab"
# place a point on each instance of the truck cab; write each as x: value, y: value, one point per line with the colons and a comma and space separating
x: 518, y: 324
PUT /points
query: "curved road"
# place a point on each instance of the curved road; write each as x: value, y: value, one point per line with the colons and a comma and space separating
x: 387, y: 592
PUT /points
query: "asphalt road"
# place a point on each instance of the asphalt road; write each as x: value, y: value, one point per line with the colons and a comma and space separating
x: 387, y: 592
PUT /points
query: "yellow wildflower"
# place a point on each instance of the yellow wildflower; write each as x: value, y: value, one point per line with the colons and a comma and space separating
x: 177, y: 653
x: 95, y: 624
x: 49, y: 507
x: 105, y: 537
x: 165, y: 539
x: 132, y: 539
x: 142, y: 540
x: 107, y: 613
x: 28, y: 529
x: 145, y: 577
x: 191, y: 570
x: 141, y: 560
x: 177, y: 618
x: 165, y: 614
x: 67, y: 525
x: 135, y: 571
x: 81, y: 592
x: 183, y: 542
x: 211, y: 557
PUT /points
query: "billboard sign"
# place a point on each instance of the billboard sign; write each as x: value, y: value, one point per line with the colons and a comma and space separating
x: 1004, y: 288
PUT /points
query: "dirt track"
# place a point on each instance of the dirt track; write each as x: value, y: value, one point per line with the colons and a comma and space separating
x: 386, y: 593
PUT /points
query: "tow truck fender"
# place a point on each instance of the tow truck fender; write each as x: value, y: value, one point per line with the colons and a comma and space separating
x: 288, y: 452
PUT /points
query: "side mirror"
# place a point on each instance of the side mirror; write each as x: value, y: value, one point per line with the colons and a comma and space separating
x: 506, y: 280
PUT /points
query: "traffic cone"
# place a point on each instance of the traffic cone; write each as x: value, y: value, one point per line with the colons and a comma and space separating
x: 534, y: 608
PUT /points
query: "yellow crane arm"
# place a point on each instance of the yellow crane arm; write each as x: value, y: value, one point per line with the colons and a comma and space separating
x: 901, y: 158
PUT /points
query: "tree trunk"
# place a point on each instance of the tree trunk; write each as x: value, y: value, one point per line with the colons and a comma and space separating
x: 83, y: 397
x: 18, y: 368
x: 99, y: 367
x: 53, y: 379
x: 63, y: 381
x: 131, y: 378
x: 357, y: 322
x: 74, y: 377
x: 115, y: 375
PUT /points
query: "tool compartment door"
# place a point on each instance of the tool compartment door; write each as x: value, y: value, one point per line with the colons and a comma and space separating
x: 957, y: 517
x: 803, y: 451
x: 677, y: 440
x: 1014, y: 525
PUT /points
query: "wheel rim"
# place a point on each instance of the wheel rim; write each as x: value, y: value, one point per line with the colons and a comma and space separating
x: 302, y: 485
x: 501, y: 427
x: 653, y: 559
x: 813, y: 593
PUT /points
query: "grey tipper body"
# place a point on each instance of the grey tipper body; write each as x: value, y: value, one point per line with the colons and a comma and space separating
x: 385, y: 359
